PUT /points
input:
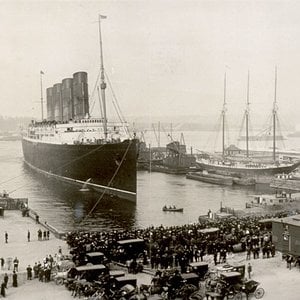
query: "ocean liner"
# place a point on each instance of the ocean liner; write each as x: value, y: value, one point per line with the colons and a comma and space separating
x: 72, y: 146
x: 241, y: 164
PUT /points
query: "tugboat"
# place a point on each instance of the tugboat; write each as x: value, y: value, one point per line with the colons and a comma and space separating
x: 177, y: 160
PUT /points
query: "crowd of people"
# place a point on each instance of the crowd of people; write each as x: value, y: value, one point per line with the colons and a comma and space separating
x: 162, y: 248
x: 9, y: 262
x: 176, y: 247
x: 41, y: 271
x: 179, y: 245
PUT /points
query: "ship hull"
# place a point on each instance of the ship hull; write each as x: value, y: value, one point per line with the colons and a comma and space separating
x: 261, y: 175
x: 211, y: 178
x: 110, y: 167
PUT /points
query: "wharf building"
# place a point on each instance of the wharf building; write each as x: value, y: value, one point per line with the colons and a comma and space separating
x: 286, y: 234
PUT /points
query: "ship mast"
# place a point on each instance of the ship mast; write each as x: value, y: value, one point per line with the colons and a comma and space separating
x: 102, y: 78
x: 274, y: 116
x: 42, y: 100
x: 247, y: 118
x: 223, y: 118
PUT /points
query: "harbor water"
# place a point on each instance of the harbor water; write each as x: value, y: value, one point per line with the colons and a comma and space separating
x: 66, y: 208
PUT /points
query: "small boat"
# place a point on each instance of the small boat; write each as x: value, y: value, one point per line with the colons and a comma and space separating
x: 173, y: 209
x: 85, y: 186
x: 244, y: 181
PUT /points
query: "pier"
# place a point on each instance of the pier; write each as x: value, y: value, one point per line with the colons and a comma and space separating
x: 8, y: 203
x: 35, y: 216
x: 286, y: 184
x: 28, y: 252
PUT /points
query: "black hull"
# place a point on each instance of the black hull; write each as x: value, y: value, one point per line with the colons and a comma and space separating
x: 215, y: 179
x: 110, y: 166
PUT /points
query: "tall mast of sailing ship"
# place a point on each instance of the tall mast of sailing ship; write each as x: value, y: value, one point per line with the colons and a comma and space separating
x: 275, y: 116
x: 223, y: 118
x: 247, y: 117
x: 102, y: 78
x: 42, y: 100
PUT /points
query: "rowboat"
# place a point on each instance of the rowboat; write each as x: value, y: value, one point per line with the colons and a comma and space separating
x: 173, y: 209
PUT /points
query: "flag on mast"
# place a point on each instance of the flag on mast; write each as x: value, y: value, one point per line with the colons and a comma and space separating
x: 41, y: 72
x: 102, y: 17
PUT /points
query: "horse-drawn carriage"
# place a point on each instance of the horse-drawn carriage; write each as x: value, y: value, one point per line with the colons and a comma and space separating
x: 232, y: 285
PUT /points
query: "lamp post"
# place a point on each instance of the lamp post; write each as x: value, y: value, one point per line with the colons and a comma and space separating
x: 150, y: 250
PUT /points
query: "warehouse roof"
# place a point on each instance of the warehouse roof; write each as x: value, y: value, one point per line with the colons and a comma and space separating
x: 291, y: 220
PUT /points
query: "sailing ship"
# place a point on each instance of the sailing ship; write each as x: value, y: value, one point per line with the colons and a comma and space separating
x: 73, y: 146
x: 246, y: 166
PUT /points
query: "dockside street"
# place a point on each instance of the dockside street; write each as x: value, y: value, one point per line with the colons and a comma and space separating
x: 277, y: 280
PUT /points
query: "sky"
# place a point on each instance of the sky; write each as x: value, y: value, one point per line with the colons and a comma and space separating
x: 163, y: 58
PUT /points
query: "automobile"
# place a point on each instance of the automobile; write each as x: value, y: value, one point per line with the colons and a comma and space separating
x: 199, y: 267
x: 241, y: 269
x: 131, y: 248
x: 191, y: 278
x: 89, y: 272
x: 124, y: 280
x: 231, y: 277
x: 229, y: 283
x: 96, y: 258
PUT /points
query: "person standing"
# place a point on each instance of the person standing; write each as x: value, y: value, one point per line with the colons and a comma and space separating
x: 5, y: 280
x: 35, y: 270
x: 28, y: 236
x: 40, y: 234
x: 2, y: 289
x: 2, y: 263
x: 41, y: 274
x: 15, y: 279
x: 29, y: 272
x: 248, y: 251
x: 249, y: 270
x: 215, y: 257
x: 6, y: 237
x: 8, y: 262
x: 16, y: 264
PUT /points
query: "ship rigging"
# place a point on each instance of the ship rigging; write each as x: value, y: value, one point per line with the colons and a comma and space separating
x: 240, y: 164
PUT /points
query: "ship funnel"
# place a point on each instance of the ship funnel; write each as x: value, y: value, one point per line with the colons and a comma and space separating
x: 50, y: 104
x: 57, y: 102
x: 67, y: 99
x: 80, y: 95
